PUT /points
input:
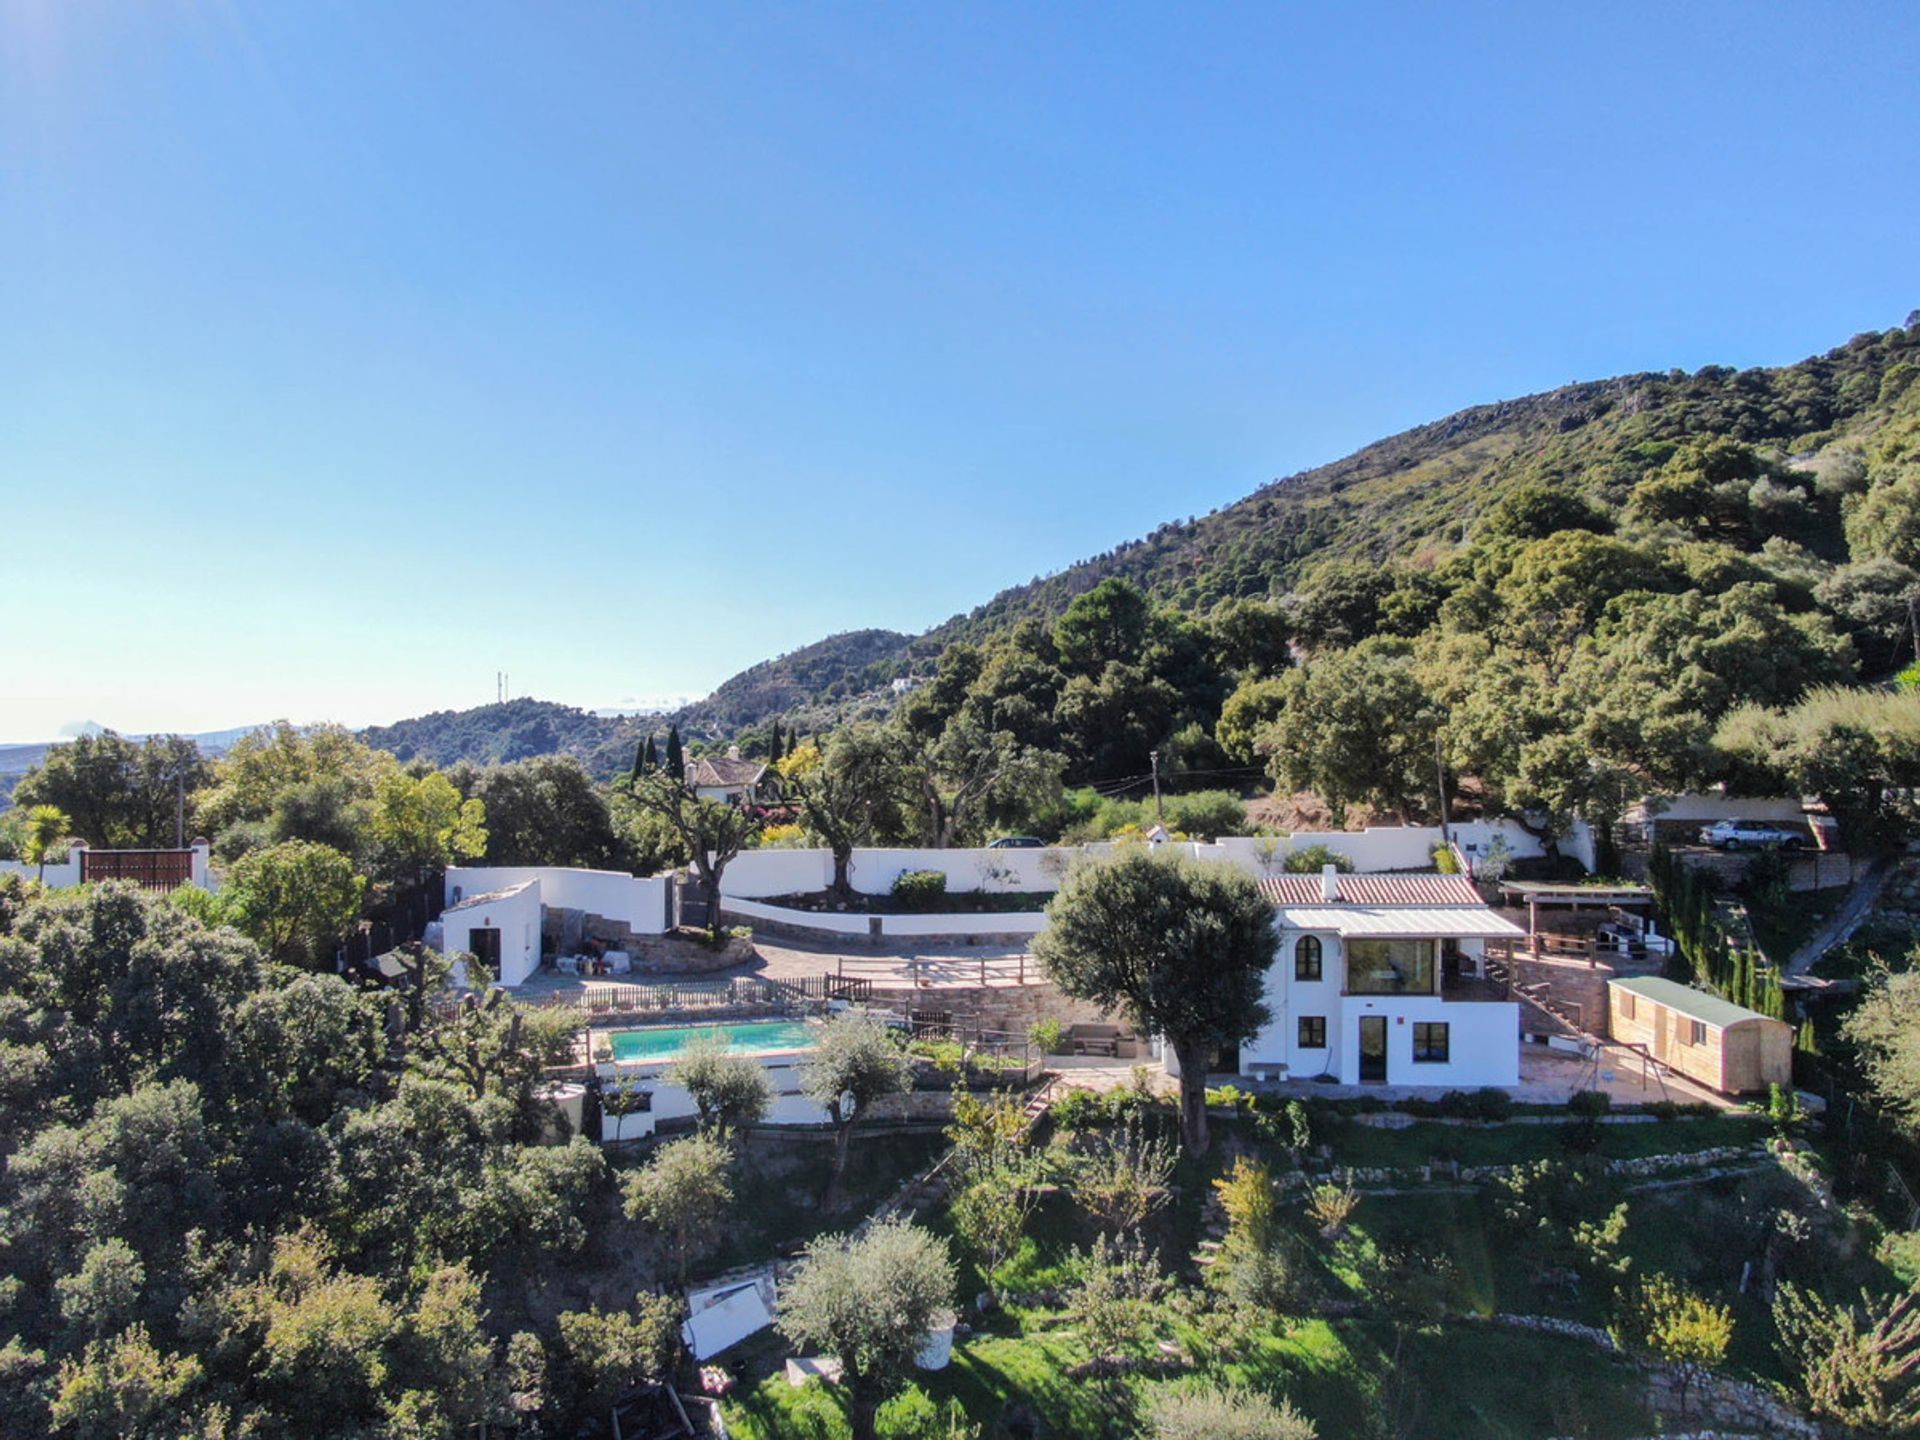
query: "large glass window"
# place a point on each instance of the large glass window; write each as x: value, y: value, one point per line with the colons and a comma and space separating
x: 1390, y: 967
x: 1306, y: 958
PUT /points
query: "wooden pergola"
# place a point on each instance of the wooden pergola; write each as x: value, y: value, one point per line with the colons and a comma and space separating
x: 1536, y: 893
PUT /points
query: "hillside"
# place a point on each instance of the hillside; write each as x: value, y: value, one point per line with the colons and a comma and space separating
x: 837, y: 667
x: 1411, y: 498
x: 511, y: 730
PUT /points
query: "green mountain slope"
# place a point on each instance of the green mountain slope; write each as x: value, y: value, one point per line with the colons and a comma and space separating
x: 1848, y: 416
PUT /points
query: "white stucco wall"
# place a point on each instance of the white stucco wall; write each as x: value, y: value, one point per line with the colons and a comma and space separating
x: 1483, y: 1041
x: 67, y: 871
x: 673, y: 1102
x: 760, y: 874
x: 516, y: 916
x: 1022, y: 923
x: 58, y: 877
x: 636, y: 901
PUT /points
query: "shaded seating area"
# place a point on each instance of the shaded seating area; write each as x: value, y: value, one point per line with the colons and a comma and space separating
x: 1111, y: 1042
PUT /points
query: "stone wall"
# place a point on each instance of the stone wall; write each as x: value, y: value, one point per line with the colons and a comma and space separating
x: 1568, y: 982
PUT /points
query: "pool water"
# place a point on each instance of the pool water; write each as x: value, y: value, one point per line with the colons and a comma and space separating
x: 669, y: 1042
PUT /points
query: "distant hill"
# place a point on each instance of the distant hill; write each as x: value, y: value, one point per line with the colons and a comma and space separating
x: 836, y: 668
x: 511, y: 730
x: 1411, y: 497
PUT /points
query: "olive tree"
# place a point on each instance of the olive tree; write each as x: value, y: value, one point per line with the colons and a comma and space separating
x: 870, y: 1303
x: 854, y: 1063
x: 1181, y: 947
x: 728, y: 1089
x: 684, y: 1193
x: 711, y: 832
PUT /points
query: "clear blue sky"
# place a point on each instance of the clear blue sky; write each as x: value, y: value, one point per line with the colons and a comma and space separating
x: 352, y: 353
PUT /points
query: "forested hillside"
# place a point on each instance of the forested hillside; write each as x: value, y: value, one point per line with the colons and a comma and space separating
x: 512, y: 730
x: 1800, y: 469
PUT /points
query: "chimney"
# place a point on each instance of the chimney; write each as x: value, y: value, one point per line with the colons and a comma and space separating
x: 733, y: 752
x: 1329, y: 882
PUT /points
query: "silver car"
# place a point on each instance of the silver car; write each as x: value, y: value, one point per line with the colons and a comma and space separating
x: 1752, y: 835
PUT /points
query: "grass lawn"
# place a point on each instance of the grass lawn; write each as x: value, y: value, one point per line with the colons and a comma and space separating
x: 1426, y: 1141
x: 1471, y: 1378
x: 1474, y: 1382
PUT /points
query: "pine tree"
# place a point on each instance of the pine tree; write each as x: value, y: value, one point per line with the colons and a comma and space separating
x: 676, y: 757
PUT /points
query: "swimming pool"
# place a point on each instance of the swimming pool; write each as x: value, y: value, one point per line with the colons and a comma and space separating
x: 669, y: 1042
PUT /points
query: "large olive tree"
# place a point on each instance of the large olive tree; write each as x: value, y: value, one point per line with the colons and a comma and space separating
x: 853, y: 1063
x: 870, y: 1303
x: 1180, y: 946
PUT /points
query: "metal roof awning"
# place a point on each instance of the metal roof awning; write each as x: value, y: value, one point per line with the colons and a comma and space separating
x: 1463, y: 922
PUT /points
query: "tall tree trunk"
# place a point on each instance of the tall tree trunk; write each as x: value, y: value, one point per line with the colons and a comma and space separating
x: 1193, y: 1099
x: 861, y: 1406
x: 711, y: 880
x: 842, y: 1134
x: 842, y: 878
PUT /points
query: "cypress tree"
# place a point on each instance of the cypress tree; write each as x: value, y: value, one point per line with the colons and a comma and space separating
x: 676, y: 757
x: 653, y: 755
x: 775, y: 749
x: 639, y: 760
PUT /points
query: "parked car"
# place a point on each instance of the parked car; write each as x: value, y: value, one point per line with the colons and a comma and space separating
x: 1017, y: 842
x: 1752, y: 834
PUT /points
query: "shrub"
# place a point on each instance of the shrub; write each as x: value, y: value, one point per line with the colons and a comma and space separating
x: 1589, y: 1104
x: 1047, y: 1036
x: 1331, y: 1207
x: 1783, y: 1106
x: 1078, y: 1110
x: 1445, y: 861
x: 1490, y: 1104
x: 1311, y: 859
x: 920, y: 889
x: 1207, y: 814
x: 1231, y: 1414
x: 1230, y: 1097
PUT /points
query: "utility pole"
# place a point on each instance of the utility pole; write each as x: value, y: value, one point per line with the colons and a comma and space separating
x: 1440, y: 782
x: 1159, y: 810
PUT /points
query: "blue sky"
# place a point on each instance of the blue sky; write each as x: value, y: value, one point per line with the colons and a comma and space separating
x: 352, y: 353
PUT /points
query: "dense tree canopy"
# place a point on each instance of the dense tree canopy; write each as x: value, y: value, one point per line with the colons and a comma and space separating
x: 241, y: 1199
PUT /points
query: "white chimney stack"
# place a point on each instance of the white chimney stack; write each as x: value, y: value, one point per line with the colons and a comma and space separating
x: 1329, y: 882
x: 733, y: 752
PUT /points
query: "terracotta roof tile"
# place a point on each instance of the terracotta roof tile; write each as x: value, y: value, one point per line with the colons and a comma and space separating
x: 722, y: 770
x: 1428, y: 890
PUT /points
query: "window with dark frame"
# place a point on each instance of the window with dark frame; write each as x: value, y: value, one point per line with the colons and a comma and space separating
x: 1696, y: 1032
x: 1306, y: 958
x: 1313, y: 1032
x: 1431, y: 1041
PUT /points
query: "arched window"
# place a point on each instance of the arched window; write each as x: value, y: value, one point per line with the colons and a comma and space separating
x: 1306, y: 958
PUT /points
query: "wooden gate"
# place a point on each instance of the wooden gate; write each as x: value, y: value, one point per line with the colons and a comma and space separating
x: 155, y: 869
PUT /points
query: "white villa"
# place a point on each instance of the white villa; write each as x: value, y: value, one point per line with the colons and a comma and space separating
x: 1384, y: 978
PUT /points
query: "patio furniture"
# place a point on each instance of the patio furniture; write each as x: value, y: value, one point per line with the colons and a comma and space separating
x: 618, y: 962
x: 566, y: 965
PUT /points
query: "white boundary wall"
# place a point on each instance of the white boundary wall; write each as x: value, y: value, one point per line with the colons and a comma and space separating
x: 979, y: 923
x: 67, y: 872
x: 638, y: 902
x: 759, y: 874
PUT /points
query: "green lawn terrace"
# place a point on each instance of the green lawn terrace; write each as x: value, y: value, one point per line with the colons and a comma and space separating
x: 1487, y: 1215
